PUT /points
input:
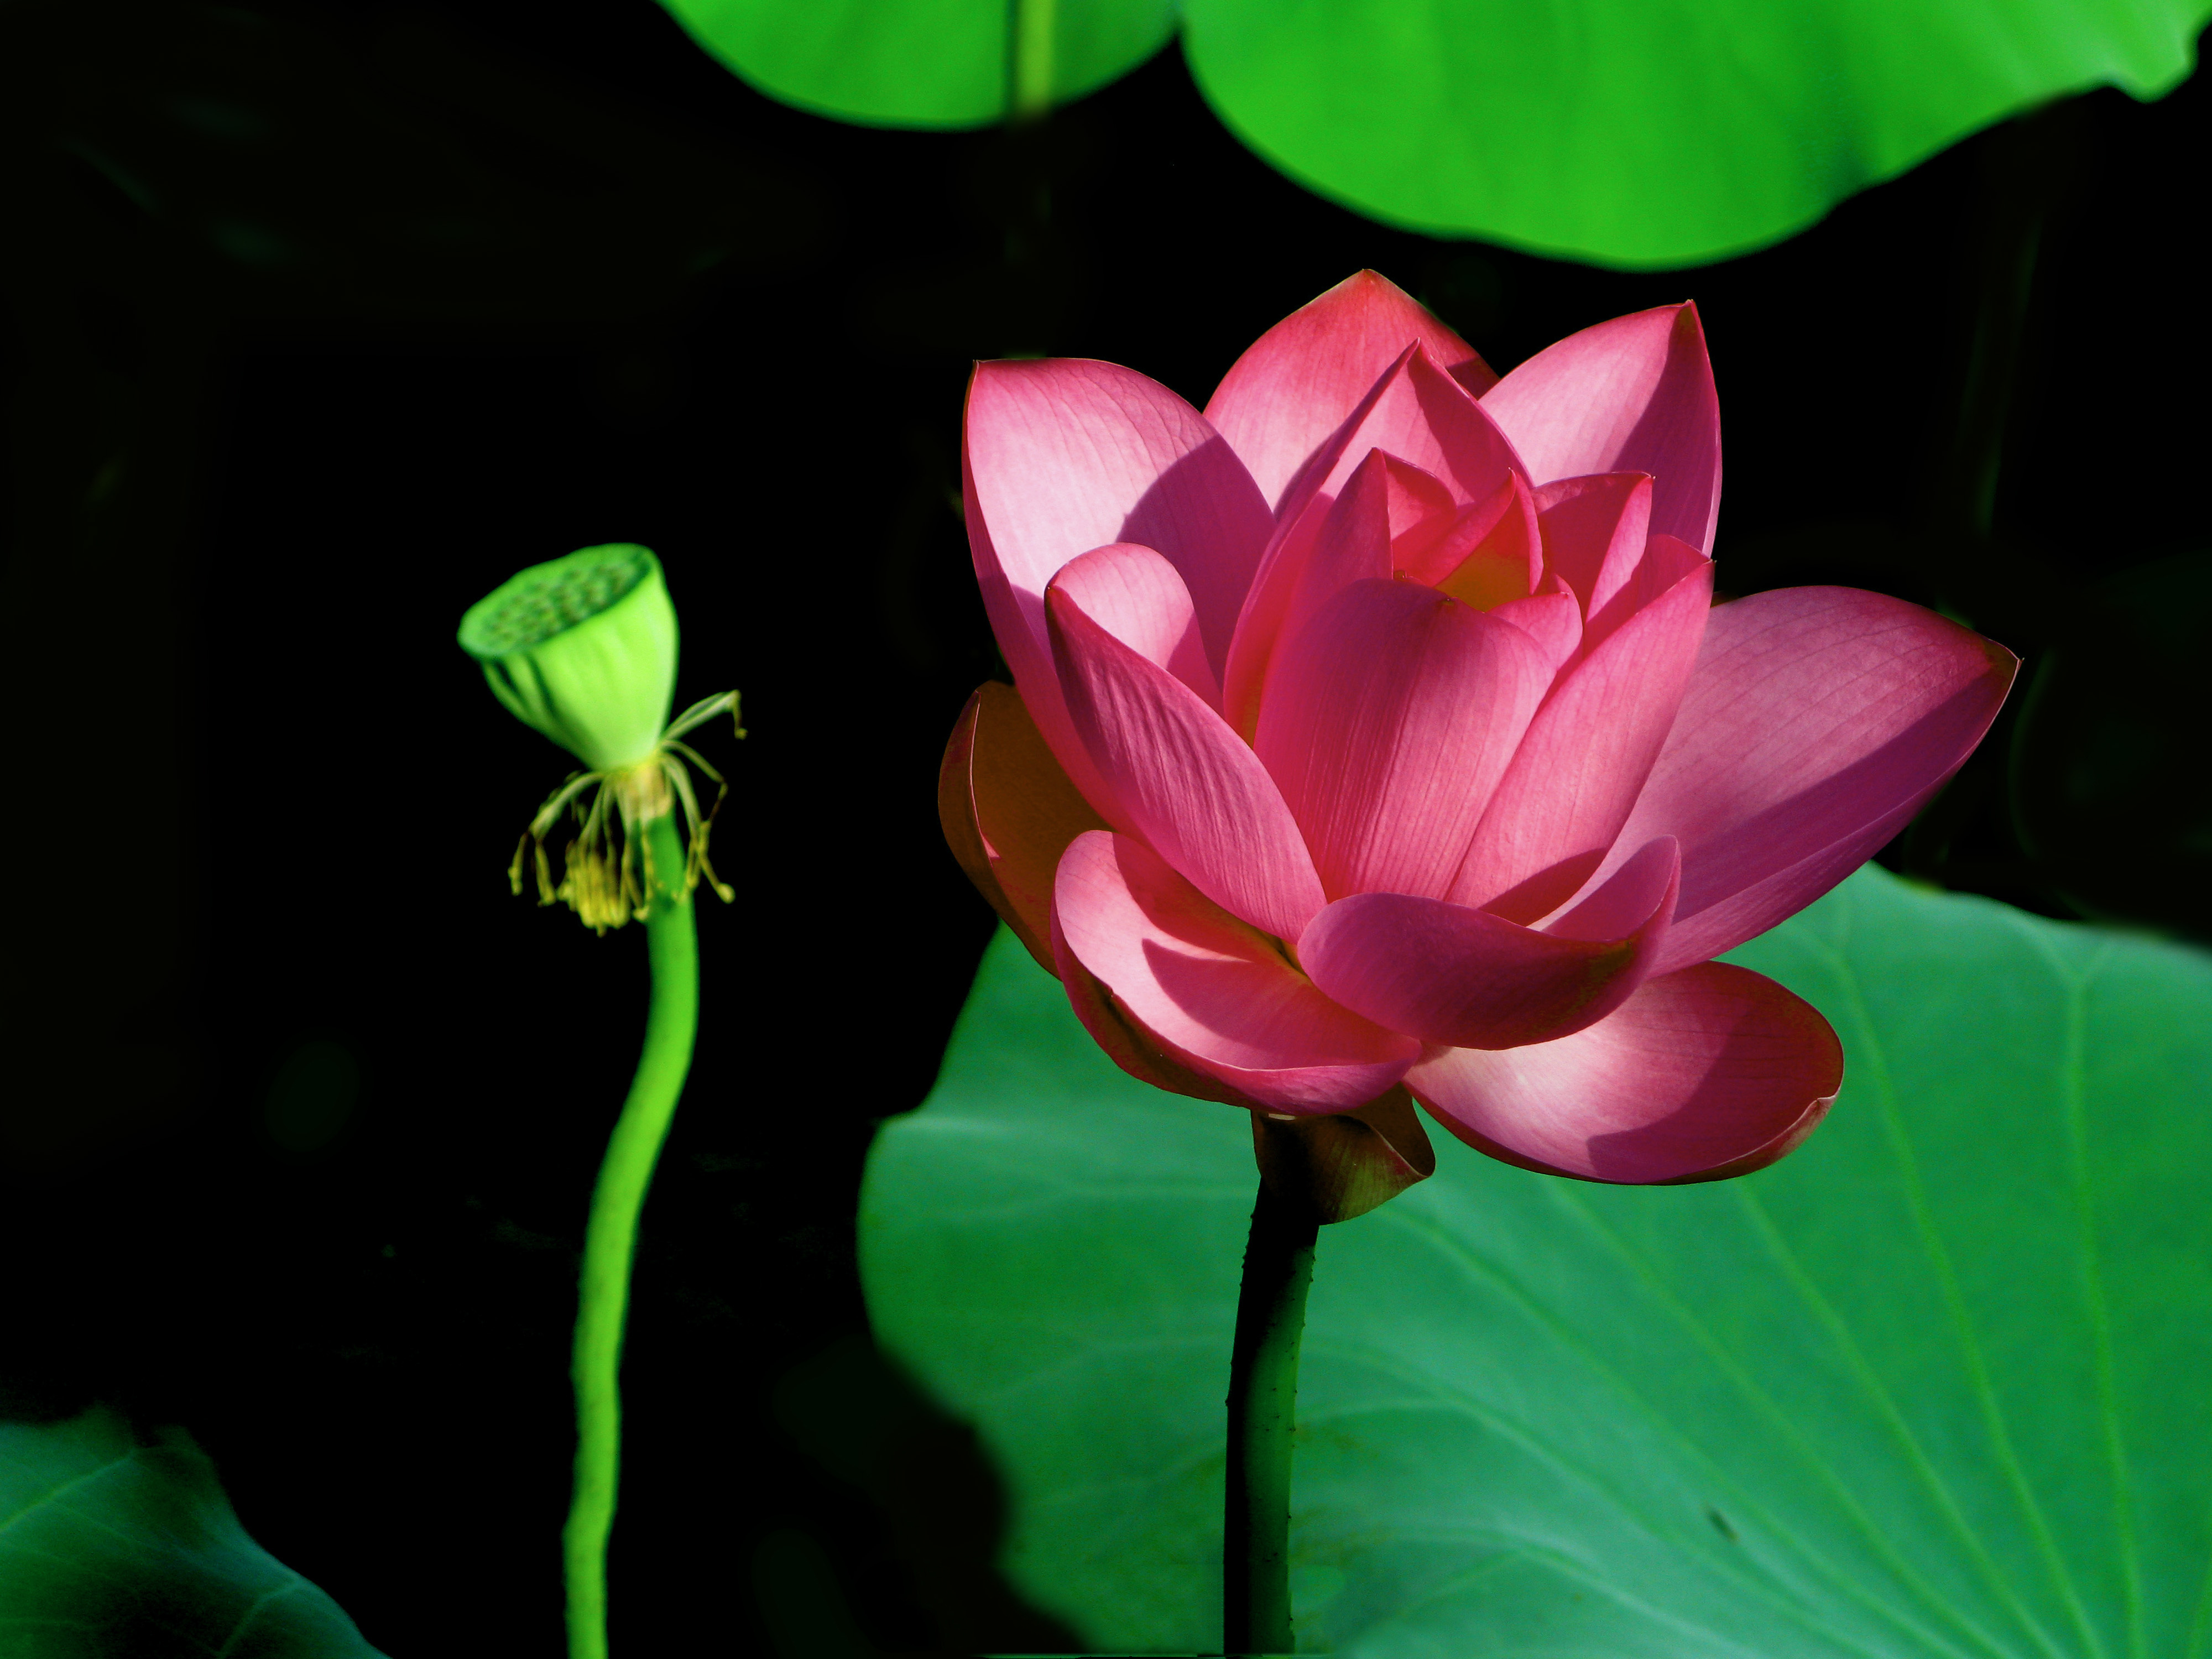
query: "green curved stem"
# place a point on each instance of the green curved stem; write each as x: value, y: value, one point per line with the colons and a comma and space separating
x: 1263, y: 1390
x: 672, y: 1022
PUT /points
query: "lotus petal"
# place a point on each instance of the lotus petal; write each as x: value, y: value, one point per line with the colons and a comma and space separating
x: 1451, y: 974
x: 1633, y: 395
x: 1582, y: 766
x: 1216, y: 995
x: 1297, y: 383
x: 1712, y: 1071
x: 1009, y: 809
x: 1817, y: 721
x: 1061, y: 455
x: 1388, y: 722
x: 1180, y: 778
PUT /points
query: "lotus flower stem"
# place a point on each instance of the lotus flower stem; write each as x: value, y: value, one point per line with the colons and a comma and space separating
x: 672, y: 1022
x: 1263, y: 1389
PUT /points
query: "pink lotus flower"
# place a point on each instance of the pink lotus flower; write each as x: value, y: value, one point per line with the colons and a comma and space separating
x: 1377, y: 727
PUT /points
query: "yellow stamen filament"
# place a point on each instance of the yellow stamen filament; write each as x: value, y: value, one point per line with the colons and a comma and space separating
x: 607, y: 876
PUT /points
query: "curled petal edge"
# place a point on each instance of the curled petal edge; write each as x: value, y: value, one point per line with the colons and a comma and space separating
x: 1453, y: 976
x: 1751, y: 1161
x: 1187, y: 983
x: 1710, y: 1072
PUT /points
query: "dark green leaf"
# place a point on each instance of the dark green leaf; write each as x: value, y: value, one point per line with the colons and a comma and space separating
x: 1934, y: 1385
x: 113, y: 1546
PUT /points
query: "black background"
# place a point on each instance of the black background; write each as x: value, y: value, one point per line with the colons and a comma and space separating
x: 325, y: 319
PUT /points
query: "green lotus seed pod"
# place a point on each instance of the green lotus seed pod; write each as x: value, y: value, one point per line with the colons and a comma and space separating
x: 583, y: 649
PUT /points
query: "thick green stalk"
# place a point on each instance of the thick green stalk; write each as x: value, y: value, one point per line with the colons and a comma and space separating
x: 1263, y: 1390
x: 671, y: 1021
x: 1030, y: 52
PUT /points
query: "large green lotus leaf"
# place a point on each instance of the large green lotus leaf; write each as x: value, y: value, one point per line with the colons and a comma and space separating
x: 1648, y: 133
x: 1639, y: 133
x: 917, y: 62
x: 1934, y: 1385
x: 113, y: 1546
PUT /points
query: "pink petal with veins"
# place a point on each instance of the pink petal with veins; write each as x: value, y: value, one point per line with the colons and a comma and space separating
x: 1816, y: 722
x: 1422, y: 416
x: 1295, y: 385
x: 1414, y: 415
x: 1062, y: 455
x: 1709, y: 1072
x: 1353, y: 545
x: 1337, y: 541
x: 1553, y: 617
x: 1666, y: 560
x: 1448, y: 973
x: 1388, y: 722
x: 1633, y: 395
x: 1137, y: 596
x: 1580, y: 770
x: 1421, y: 509
x: 1215, y: 994
x: 1298, y: 526
x: 1594, y: 532
x: 1009, y: 810
x: 1180, y: 778
x: 1502, y: 529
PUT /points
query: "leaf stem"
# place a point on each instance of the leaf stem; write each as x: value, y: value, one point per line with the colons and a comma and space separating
x: 1263, y: 1388
x: 1029, y: 60
x: 672, y: 1022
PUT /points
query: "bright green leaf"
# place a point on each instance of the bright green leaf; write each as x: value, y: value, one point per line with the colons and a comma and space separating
x: 918, y: 62
x: 1639, y: 133
x: 1648, y: 133
x: 117, y: 1547
x: 1934, y: 1385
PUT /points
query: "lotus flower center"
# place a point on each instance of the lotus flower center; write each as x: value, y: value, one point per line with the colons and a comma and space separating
x: 1488, y: 580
